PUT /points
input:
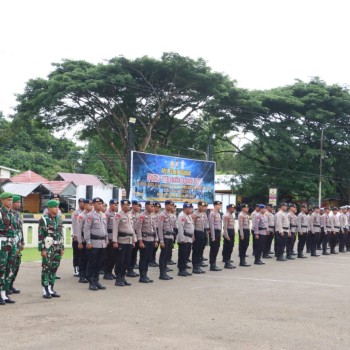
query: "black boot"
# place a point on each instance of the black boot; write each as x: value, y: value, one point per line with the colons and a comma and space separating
x: 182, y: 273
x: 197, y: 270
x: 83, y: 279
x: 53, y: 293
x: 301, y: 255
x: 126, y: 283
x: 92, y: 285
x: 14, y: 290
x: 132, y: 273
x: 228, y: 265
x: 143, y: 277
x: 163, y: 276
x: 213, y: 267
x: 46, y: 293
x: 243, y: 263
x: 119, y: 281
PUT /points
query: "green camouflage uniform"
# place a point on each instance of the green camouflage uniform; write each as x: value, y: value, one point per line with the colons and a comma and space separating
x: 8, y: 246
x: 19, y: 241
x: 51, y: 241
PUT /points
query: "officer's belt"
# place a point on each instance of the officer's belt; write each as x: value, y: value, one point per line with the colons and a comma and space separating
x: 124, y: 234
x: 293, y: 226
x: 271, y: 226
x: 262, y: 228
x: 148, y: 234
x: 285, y: 228
x: 329, y: 226
x: 169, y: 233
x: 337, y: 227
x: 304, y: 226
x: 188, y: 234
x: 317, y: 225
x: 97, y: 237
x: 109, y: 230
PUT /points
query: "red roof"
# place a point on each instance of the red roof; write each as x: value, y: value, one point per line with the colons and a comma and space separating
x: 28, y: 177
x: 81, y: 179
x: 57, y: 187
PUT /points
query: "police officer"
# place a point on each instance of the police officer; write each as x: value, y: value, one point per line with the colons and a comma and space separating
x: 51, y: 247
x: 124, y: 240
x: 156, y: 214
x: 252, y: 218
x: 315, y: 229
x: 8, y: 245
x: 166, y: 232
x: 201, y: 224
x: 81, y: 240
x: 185, y: 237
x: 334, y: 239
x: 229, y: 235
x: 110, y: 251
x: 282, y: 231
x: 76, y: 251
x: 293, y: 229
x: 215, y: 225
x: 170, y: 256
x: 260, y: 231
x: 19, y: 241
x: 243, y: 226
x: 303, y: 225
x: 147, y: 237
x: 343, y: 229
x: 270, y: 217
x: 135, y: 212
x: 327, y: 228
x: 95, y: 235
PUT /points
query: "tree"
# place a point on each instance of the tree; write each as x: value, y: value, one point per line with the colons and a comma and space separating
x: 163, y: 95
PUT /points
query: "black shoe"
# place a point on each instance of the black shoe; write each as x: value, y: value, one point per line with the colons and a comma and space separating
x: 164, y: 277
x: 289, y: 257
x: 326, y: 253
x: 281, y: 258
x: 188, y: 267
x: 108, y: 277
x: 188, y: 273
x: 153, y: 264
x: 168, y: 270
x: 132, y: 274
x: 267, y: 257
x: 149, y: 279
x: 182, y: 274
x: 228, y: 265
x: 314, y: 254
x: 259, y: 263
x: 205, y: 259
x: 197, y: 270
x: 9, y: 292
x: 202, y: 264
x: 14, y: 290
x: 92, y: 285
x: 2, y: 302
x: 46, y: 294
x: 9, y: 301
x: 333, y: 252
x: 144, y: 279
x: 83, y: 280
x: 58, y: 277
x: 119, y: 282
x: 308, y: 251
x: 99, y: 285
x: 136, y: 266
x: 302, y: 256
x: 244, y: 264
x: 213, y: 267
x: 170, y: 262
x: 55, y: 294
x: 126, y: 283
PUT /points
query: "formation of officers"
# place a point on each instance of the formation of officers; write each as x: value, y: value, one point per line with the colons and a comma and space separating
x: 109, y: 240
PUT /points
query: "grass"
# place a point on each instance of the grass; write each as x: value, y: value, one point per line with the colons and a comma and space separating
x: 32, y: 254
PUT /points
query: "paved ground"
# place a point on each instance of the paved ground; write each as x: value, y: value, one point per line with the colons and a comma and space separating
x: 303, y: 304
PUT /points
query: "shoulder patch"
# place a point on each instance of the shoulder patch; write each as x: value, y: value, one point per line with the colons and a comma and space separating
x: 117, y: 216
x: 89, y: 218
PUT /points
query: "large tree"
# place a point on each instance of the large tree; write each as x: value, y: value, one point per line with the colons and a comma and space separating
x: 163, y: 95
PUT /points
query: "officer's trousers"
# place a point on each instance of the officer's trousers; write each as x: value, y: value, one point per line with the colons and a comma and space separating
x: 333, y: 241
x: 268, y: 243
x: 76, y: 253
x: 290, y: 244
x: 313, y: 239
x: 259, y: 247
x: 198, y: 247
x: 343, y: 234
x: 184, y: 251
x: 7, y: 259
x: 83, y: 261
x: 145, y: 256
x: 214, y: 247
x: 281, y: 240
x: 123, y: 258
x: 302, y: 237
x: 133, y: 259
x: 95, y: 258
x: 111, y: 254
x: 228, y: 246
x: 164, y: 253
x: 50, y: 264
x: 243, y: 245
x: 325, y: 240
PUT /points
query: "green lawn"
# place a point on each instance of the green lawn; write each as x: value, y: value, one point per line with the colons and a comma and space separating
x: 32, y: 254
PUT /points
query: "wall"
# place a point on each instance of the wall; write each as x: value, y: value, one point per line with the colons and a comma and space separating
x: 31, y: 203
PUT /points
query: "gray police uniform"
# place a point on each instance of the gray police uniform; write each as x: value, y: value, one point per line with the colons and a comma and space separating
x: 315, y: 231
x: 243, y: 226
x: 282, y: 233
x: 201, y: 225
x: 184, y: 239
x: 110, y: 251
x: 215, y: 225
x: 302, y: 223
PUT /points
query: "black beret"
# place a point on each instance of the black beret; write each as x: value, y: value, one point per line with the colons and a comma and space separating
x: 149, y: 203
x: 202, y: 203
x: 124, y: 201
x: 168, y: 202
x: 81, y: 200
x: 113, y: 201
x: 244, y: 206
x: 134, y: 202
x: 283, y: 204
x: 97, y: 200
x: 88, y: 201
x: 230, y: 206
x: 217, y: 203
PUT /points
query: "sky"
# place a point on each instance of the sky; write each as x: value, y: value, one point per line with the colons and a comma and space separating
x: 261, y: 44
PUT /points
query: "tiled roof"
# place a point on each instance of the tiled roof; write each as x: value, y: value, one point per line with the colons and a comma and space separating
x: 81, y: 179
x: 29, y: 177
x: 57, y: 187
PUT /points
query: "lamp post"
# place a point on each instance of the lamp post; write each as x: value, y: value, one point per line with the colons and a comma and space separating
x: 199, y: 151
x: 130, y: 146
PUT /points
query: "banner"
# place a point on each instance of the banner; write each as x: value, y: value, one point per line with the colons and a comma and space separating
x: 158, y: 178
x: 273, y: 196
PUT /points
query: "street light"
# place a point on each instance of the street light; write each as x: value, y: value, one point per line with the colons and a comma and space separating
x: 199, y: 151
x: 129, y: 147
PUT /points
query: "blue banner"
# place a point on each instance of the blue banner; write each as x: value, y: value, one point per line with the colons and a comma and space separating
x: 158, y: 178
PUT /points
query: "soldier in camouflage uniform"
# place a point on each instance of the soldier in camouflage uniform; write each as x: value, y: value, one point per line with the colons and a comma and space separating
x: 8, y: 246
x: 51, y: 247
x: 19, y: 240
